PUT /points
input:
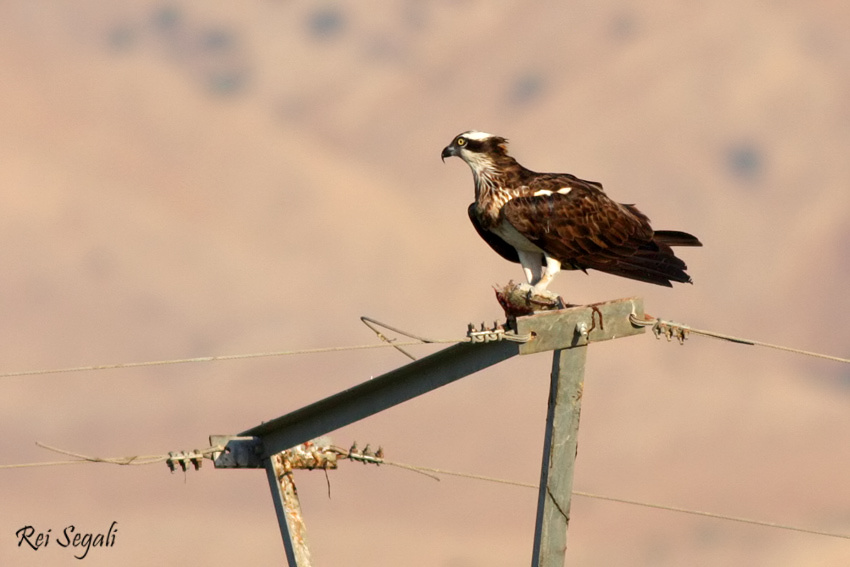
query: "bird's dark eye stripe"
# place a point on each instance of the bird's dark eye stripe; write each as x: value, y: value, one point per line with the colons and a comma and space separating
x: 472, y: 145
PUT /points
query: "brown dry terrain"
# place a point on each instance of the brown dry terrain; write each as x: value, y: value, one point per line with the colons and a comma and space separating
x: 185, y: 179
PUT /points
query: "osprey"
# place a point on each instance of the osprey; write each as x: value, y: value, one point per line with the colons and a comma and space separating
x: 553, y: 221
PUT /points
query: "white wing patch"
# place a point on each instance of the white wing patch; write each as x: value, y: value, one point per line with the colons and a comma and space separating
x: 546, y: 192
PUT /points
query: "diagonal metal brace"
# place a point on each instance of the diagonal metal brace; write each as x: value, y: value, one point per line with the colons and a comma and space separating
x: 378, y: 394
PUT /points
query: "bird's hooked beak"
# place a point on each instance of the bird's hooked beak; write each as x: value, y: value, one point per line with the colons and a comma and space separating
x: 449, y: 151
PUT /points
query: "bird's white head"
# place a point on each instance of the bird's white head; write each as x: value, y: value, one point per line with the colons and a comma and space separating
x: 476, y: 135
x: 478, y: 149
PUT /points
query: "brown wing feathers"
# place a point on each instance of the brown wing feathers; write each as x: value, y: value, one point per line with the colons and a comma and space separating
x: 585, y: 229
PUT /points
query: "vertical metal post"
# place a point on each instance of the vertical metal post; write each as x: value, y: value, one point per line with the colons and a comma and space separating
x: 288, y: 510
x: 559, y: 453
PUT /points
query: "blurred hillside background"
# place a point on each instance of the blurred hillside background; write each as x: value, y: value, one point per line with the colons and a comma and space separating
x: 191, y: 178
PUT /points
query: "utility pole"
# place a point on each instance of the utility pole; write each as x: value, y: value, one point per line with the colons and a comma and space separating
x: 560, y: 448
x: 567, y: 332
x: 297, y: 552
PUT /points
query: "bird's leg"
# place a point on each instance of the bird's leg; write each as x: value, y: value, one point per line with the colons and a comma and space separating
x: 539, y: 277
x: 548, y: 273
x: 532, y: 265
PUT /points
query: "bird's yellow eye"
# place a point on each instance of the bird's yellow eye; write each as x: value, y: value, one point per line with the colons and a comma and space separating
x: 461, y: 141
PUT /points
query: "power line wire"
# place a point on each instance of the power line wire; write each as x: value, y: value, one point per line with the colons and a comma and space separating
x: 660, y: 327
x: 680, y: 332
x: 131, y: 460
x: 712, y: 515
x: 218, y: 358
x: 369, y: 322
x: 626, y: 501
x: 182, y: 458
x: 473, y: 336
x: 373, y: 324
